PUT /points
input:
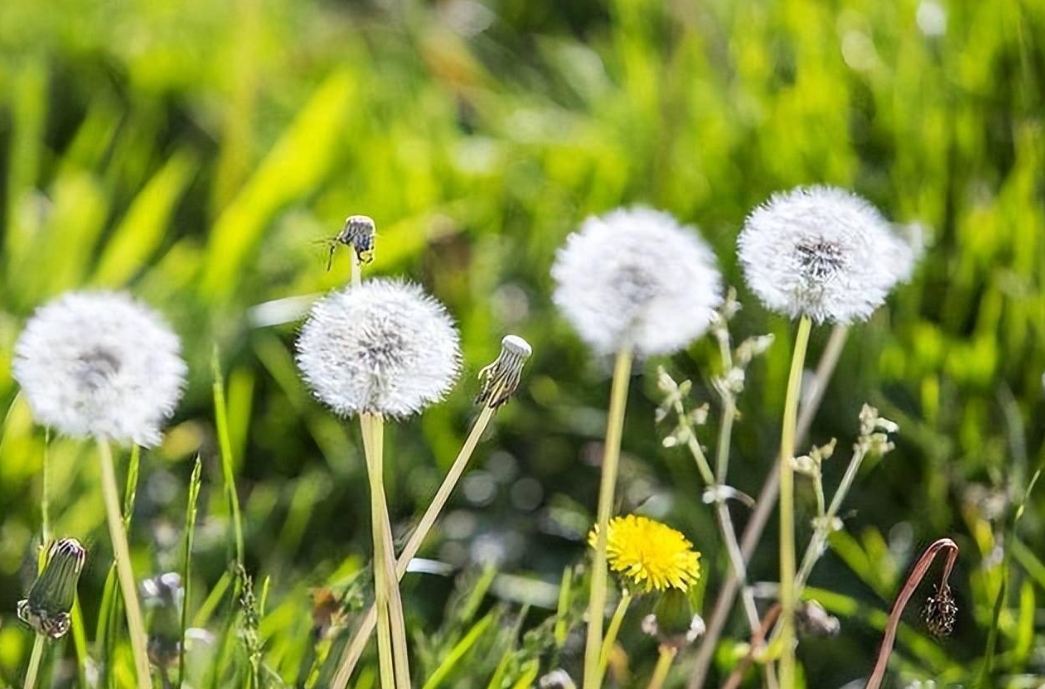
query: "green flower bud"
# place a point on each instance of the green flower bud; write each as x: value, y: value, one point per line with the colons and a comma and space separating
x: 51, y: 597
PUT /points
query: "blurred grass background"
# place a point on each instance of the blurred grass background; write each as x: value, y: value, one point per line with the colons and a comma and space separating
x: 195, y: 152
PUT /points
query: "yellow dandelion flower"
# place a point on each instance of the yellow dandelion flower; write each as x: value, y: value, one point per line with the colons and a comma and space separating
x: 649, y: 555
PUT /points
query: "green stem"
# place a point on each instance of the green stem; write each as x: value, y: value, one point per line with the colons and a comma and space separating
x: 660, y: 672
x: 787, y: 507
x: 354, y: 649
x: 221, y: 420
x: 124, y: 571
x: 45, y: 493
x: 599, y: 574
x: 381, y: 583
x: 613, y: 630
x: 34, y: 661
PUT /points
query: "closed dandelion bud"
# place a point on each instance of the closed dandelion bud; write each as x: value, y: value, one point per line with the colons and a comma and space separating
x: 941, y: 611
x: 164, y: 596
x: 500, y: 380
x: 100, y: 365
x: 381, y: 347
x: 673, y: 622
x: 823, y: 253
x: 636, y: 279
x: 51, y: 597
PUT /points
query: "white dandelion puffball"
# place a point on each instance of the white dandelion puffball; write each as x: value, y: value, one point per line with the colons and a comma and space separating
x: 824, y: 253
x: 100, y: 364
x: 380, y: 347
x: 636, y: 278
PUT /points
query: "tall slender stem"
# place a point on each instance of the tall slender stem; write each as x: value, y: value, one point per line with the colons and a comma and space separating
x: 614, y: 629
x: 124, y: 571
x: 45, y: 493
x: 33, y: 670
x: 381, y: 583
x: 599, y: 574
x: 787, y: 507
x: 660, y: 672
x: 397, y: 622
x: 354, y: 650
x: 764, y: 507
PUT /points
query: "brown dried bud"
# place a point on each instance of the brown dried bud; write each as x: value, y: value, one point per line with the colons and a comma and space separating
x: 941, y: 612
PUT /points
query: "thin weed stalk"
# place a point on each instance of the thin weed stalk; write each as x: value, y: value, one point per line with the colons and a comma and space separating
x: 186, y: 575
x: 599, y: 574
x: 33, y: 671
x: 124, y: 571
x: 614, y: 629
x: 664, y: 661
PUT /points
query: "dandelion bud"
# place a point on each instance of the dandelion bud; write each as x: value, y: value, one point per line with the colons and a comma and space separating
x: 673, y: 622
x: 100, y: 365
x: 823, y: 253
x: 381, y: 347
x: 556, y: 679
x: 164, y: 596
x: 51, y: 597
x: 500, y: 380
x: 358, y: 233
x: 635, y: 278
x: 941, y: 611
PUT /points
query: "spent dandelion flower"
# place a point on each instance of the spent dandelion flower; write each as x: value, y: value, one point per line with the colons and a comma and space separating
x: 636, y: 279
x: 382, y: 347
x: 500, y: 380
x: 648, y: 555
x: 824, y: 253
x: 46, y: 609
x: 102, y: 365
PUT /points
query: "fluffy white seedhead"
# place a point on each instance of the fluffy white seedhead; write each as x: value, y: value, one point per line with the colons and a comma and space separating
x: 822, y: 252
x: 636, y: 278
x: 381, y: 347
x: 100, y: 364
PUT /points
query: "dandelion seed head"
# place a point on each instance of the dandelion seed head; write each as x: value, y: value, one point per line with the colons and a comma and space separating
x: 636, y: 278
x: 380, y: 347
x: 824, y: 253
x: 100, y: 364
x: 648, y: 555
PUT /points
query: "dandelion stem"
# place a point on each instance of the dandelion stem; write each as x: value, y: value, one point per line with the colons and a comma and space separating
x: 381, y: 583
x: 33, y: 670
x: 45, y: 492
x: 221, y: 420
x: 660, y: 672
x: 764, y: 507
x: 921, y: 567
x: 355, y: 647
x: 787, y: 506
x: 613, y: 630
x: 124, y: 571
x: 599, y: 573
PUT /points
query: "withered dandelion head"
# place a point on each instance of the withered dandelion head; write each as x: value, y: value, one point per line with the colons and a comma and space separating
x: 51, y: 597
x: 101, y: 365
x: 824, y: 253
x: 636, y: 278
x: 381, y: 347
x: 649, y: 556
x: 941, y: 611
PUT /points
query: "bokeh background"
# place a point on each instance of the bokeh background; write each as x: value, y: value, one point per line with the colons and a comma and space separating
x: 197, y: 153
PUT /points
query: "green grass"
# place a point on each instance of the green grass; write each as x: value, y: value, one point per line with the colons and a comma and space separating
x: 195, y: 154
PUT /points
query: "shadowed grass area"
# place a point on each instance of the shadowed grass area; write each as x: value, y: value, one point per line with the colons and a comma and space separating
x: 198, y: 153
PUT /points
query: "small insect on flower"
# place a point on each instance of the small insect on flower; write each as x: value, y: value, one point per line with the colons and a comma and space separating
x: 357, y: 234
x: 100, y: 365
x: 636, y: 278
x: 941, y: 611
x: 824, y: 253
x: 51, y: 597
x: 649, y: 556
x: 380, y: 347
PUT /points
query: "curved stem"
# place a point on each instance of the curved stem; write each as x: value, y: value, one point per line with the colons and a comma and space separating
x: 124, y: 571
x: 660, y: 672
x: 913, y: 579
x: 599, y: 574
x: 787, y: 506
x: 613, y: 630
x: 756, y: 524
x: 33, y: 670
x: 354, y: 649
